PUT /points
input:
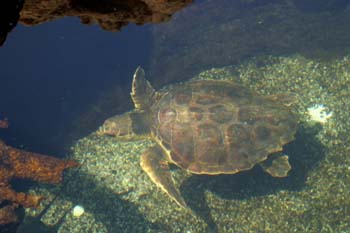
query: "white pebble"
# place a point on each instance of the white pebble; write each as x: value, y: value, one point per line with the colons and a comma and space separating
x: 78, y: 211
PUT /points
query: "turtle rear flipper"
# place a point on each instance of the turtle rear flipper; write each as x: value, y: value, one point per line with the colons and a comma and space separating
x: 278, y: 167
x: 157, y: 168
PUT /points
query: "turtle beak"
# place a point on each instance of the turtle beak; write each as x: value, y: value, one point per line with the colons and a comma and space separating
x: 101, y: 131
x: 108, y: 128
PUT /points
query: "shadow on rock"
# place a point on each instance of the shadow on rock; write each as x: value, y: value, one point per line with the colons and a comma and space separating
x: 108, y: 208
x: 305, y: 153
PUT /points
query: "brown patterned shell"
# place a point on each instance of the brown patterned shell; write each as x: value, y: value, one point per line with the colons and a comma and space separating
x: 213, y: 127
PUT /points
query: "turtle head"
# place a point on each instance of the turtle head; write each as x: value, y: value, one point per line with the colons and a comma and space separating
x: 135, y: 124
x: 119, y: 125
x: 127, y: 126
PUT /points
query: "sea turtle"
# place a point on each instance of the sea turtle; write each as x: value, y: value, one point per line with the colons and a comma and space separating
x: 205, y: 127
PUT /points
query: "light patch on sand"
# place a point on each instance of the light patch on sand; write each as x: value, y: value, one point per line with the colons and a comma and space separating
x: 319, y: 113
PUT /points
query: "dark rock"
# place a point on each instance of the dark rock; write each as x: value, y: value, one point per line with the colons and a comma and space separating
x: 9, y: 15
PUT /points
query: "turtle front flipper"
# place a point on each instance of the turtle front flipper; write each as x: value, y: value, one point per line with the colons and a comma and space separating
x: 157, y: 168
x: 142, y: 92
x: 278, y: 166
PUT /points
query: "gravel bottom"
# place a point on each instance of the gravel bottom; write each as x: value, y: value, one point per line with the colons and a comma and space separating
x: 119, y: 197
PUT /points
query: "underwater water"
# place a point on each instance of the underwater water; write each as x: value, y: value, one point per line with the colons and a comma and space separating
x: 61, y: 80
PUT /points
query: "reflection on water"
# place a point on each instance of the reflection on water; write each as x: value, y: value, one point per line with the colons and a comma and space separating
x: 61, y: 80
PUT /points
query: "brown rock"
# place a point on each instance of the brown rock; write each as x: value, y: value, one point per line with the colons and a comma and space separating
x: 7, y: 214
x: 4, y: 123
x: 15, y: 163
x: 110, y: 15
